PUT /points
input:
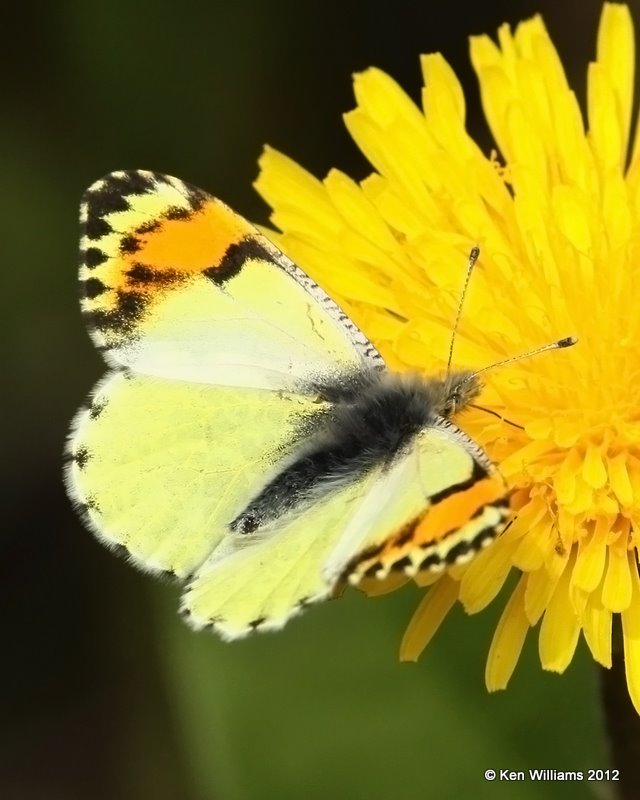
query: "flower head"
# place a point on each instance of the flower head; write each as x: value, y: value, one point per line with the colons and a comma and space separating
x: 557, y: 219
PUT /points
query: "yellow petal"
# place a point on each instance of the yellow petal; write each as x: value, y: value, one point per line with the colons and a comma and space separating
x: 374, y: 587
x: 596, y: 625
x: 528, y: 158
x: 631, y: 636
x: 538, y: 592
x: 560, y: 628
x: 573, y: 217
x: 399, y: 157
x: 398, y: 214
x: 379, y: 325
x: 533, y: 549
x: 507, y: 641
x: 536, y: 46
x: 426, y: 578
x: 335, y: 273
x: 593, y: 468
x: 383, y: 100
x: 605, y: 131
x: 283, y: 182
x: 358, y: 211
x: 486, y: 575
x: 437, y: 72
x: 531, y: 85
x: 444, y: 108
x: 556, y: 561
x: 616, y: 55
x: 520, y: 458
x: 617, y: 214
x: 565, y: 478
x: 496, y: 94
x: 575, y: 159
x: 566, y: 433
x: 590, y: 561
x: 617, y: 587
x: 427, y: 618
x: 619, y: 478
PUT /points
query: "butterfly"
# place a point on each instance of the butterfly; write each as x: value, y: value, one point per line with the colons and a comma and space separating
x: 248, y: 438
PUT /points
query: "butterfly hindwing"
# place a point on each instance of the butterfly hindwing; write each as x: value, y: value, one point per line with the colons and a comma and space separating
x: 261, y: 582
x: 160, y: 467
x: 435, y: 505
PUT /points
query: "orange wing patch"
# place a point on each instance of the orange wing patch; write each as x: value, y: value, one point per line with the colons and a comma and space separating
x: 455, y: 511
x: 195, y: 239
x: 144, y: 232
x: 450, y: 531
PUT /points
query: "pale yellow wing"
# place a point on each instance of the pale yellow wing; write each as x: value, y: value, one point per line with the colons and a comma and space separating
x: 258, y: 583
x: 162, y: 467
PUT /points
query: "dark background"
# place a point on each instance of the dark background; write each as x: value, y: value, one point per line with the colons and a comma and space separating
x: 105, y: 693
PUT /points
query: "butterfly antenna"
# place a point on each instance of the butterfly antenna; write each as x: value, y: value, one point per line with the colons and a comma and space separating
x: 473, y: 257
x: 495, y: 414
x: 568, y: 341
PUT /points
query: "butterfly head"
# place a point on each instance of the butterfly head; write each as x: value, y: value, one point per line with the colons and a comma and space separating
x: 455, y: 390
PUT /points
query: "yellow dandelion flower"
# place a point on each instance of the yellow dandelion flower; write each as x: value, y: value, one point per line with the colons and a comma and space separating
x: 557, y: 220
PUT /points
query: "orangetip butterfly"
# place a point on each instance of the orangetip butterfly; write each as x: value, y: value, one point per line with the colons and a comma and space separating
x: 247, y: 437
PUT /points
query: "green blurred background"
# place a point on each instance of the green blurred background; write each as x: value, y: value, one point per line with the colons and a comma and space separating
x: 105, y: 693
